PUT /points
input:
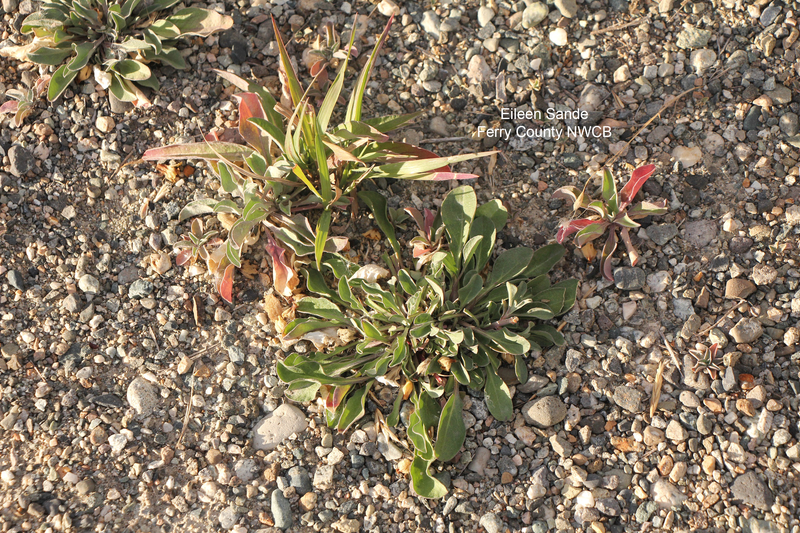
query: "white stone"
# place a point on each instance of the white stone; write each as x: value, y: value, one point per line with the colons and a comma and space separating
x: 558, y: 37
x: 687, y: 156
x: 387, y: 8
x: 276, y: 427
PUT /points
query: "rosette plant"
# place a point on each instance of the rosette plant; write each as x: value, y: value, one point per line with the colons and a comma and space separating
x: 287, y: 157
x: 22, y: 102
x: 116, y: 38
x: 706, y: 360
x: 612, y: 213
x: 429, y: 332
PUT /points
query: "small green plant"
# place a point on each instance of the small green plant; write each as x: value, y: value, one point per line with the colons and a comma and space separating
x: 705, y: 360
x: 429, y: 332
x: 613, y: 212
x: 23, y: 101
x: 119, y: 37
x: 293, y: 160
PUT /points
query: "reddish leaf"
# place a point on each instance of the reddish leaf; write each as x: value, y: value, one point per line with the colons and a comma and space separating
x: 567, y: 228
x: 445, y: 176
x: 226, y: 284
x: 9, y: 107
x: 284, y: 278
x: 183, y: 257
x: 250, y: 107
x: 317, y: 67
x: 638, y: 178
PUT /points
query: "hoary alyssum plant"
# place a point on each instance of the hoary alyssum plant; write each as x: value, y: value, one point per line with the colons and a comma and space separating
x: 116, y: 39
x: 288, y: 157
x: 429, y: 332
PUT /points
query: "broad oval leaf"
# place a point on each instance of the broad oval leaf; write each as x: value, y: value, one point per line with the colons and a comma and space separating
x: 132, y: 70
x: 59, y: 82
x: 423, y: 483
x: 202, y: 22
x: 498, y: 397
x: 458, y: 211
x: 49, y: 56
x: 452, y: 431
x: 509, y: 265
x: 354, y: 408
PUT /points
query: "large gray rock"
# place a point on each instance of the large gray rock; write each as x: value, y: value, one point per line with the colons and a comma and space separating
x: 142, y: 396
x: 629, y: 398
x: 751, y: 490
x: 545, y: 412
x: 276, y: 427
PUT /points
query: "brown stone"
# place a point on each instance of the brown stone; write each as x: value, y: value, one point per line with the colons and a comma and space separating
x: 271, y: 472
x: 665, y: 465
x: 709, y: 464
x: 745, y: 407
x: 506, y: 478
x: 308, y: 502
x: 214, y: 457
x: 739, y: 288
x: 714, y: 405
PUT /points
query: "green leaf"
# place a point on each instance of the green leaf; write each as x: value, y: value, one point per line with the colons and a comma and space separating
x: 458, y: 211
x: 609, y: 192
x: 128, y: 7
x: 232, y: 254
x: 226, y: 177
x: 168, y: 56
x: 132, y: 70
x: 354, y: 408
x: 376, y: 203
x: 508, y: 266
x: 544, y: 259
x: 428, y: 409
x: 423, y: 483
x: 322, y: 162
x: 495, y: 211
x: 394, y: 416
x: 323, y: 225
x: 302, y: 391
x: 470, y: 290
x: 295, y: 89
x: 321, y: 307
x: 198, y: 207
x: 521, y: 369
x: 391, y: 122
x: 452, y: 431
x: 498, y: 397
x: 415, y: 168
x: 83, y: 53
x: 49, y: 56
x: 505, y: 340
x: 59, y: 82
x: 357, y: 96
x: 482, y: 227
x: 202, y: 22
x: 418, y: 436
x: 153, y: 40
x: 203, y: 150
x: 165, y: 29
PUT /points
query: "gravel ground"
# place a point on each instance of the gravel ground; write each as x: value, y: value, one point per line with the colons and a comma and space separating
x: 134, y: 399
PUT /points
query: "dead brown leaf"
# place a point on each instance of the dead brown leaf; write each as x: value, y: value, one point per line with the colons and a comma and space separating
x: 373, y: 234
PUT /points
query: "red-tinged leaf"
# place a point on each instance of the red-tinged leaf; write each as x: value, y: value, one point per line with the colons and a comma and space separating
x: 212, y: 136
x: 250, y: 107
x: 284, y: 278
x: 608, y: 250
x: 183, y: 257
x: 445, y: 176
x: 633, y: 253
x: 317, y: 67
x: 567, y: 228
x: 204, y: 150
x: 638, y: 178
x: 226, y: 284
x: 419, y: 251
x: 335, y: 398
x: 569, y: 193
x: 9, y: 107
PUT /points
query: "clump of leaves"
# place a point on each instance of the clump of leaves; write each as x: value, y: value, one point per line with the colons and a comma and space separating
x: 706, y: 360
x: 118, y: 38
x: 611, y: 213
x: 291, y: 159
x: 23, y: 101
x: 451, y: 324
